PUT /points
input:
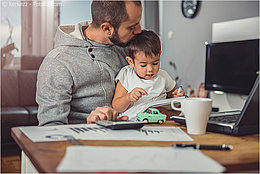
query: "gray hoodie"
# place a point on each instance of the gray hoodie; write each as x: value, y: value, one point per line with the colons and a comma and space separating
x: 76, y: 77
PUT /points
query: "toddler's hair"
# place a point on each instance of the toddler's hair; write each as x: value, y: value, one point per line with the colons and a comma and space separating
x: 147, y: 41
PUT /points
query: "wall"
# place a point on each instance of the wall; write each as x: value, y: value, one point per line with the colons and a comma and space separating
x: 151, y: 15
x: 80, y: 10
x: 186, y: 48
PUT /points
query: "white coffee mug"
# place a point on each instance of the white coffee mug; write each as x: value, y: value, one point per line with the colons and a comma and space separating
x: 196, y: 112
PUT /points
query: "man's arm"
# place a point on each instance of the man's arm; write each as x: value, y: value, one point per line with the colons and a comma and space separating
x: 54, y: 93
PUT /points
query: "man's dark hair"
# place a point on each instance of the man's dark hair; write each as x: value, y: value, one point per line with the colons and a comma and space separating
x: 113, y: 12
x: 147, y: 41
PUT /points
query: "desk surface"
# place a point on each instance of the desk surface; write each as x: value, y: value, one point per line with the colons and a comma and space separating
x: 46, y: 156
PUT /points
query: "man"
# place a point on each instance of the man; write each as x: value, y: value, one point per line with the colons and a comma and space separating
x: 76, y: 79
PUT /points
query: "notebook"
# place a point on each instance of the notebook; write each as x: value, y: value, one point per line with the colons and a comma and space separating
x: 238, y: 123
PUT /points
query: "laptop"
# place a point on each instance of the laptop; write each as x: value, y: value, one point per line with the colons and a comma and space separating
x: 237, y: 123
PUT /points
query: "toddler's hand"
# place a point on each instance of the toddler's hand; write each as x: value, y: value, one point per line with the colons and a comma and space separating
x: 176, y: 94
x: 136, y: 93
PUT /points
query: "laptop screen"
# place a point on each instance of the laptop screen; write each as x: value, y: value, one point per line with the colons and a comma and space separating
x: 250, y: 111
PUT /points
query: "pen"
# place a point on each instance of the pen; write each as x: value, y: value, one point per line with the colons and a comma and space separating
x: 204, y: 147
x: 179, y: 90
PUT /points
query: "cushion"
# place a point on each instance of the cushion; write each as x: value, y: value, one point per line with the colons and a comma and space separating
x: 14, y: 116
x: 33, y: 110
x: 27, y: 85
x: 31, y: 62
x: 9, y: 88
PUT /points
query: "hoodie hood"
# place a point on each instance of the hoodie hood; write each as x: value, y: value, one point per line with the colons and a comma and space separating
x: 71, y: 35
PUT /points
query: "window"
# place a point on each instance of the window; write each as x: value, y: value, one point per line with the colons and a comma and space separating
x: 27, y: 27
x: 155, y: 112
x: 10, y: 34
x: 39, y: 25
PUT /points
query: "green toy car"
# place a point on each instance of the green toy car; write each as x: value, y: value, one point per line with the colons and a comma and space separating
x: 152, y: 115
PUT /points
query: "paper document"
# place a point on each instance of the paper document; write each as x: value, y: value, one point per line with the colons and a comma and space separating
x: 136, y: 159
x: 95, y: 132
x: 164, y: 103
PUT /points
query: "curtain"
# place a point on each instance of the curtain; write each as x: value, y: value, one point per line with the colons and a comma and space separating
x: 40, y: 19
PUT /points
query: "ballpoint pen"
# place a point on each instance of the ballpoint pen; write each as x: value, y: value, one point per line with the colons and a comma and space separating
x: 179, y: 90
x: 204, y: 147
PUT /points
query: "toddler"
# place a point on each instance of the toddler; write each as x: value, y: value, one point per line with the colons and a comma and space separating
x: 142, y: 80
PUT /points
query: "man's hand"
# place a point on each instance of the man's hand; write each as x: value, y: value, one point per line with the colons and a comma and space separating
x: 136, y: 93
x: 102, y: 113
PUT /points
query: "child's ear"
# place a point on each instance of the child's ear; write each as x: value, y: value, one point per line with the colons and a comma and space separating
x: 130, y: 61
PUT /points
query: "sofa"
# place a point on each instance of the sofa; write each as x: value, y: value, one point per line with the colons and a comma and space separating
x: 18, y: 89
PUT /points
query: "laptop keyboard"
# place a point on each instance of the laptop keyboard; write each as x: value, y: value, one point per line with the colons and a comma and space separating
x: 224, y: 119
x: 233, y: 112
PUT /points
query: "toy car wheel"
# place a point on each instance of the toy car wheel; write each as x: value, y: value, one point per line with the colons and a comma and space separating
x: 146, y: 120
x: 160, y: 121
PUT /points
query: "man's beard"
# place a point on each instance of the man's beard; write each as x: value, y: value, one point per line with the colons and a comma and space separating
x: 116, y: 40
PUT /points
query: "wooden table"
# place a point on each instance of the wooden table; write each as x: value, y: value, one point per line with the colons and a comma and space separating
x: 46, y: 156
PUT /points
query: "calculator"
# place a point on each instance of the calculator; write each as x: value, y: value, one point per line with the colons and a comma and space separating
x: 119, y: 124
